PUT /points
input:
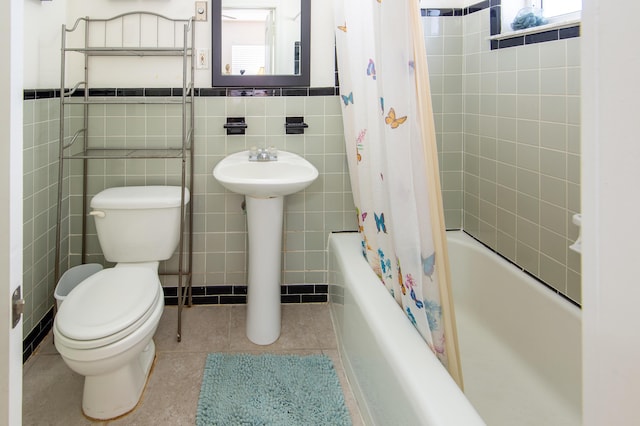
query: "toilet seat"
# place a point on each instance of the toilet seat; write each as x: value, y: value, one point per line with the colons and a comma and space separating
x: 107, y: 306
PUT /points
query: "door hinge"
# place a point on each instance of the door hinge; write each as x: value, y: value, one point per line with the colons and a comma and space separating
x: 17, y: 306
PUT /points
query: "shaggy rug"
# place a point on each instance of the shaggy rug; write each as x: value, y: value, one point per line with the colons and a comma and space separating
x: 241, y: 389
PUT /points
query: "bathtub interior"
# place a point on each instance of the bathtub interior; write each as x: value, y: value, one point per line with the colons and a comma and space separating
x: 527, y: 323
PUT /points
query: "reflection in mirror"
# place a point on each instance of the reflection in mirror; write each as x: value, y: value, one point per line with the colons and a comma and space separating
x: 261, y: 41
x: 260, y: 44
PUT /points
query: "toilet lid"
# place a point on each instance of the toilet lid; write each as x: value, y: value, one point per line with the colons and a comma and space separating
x: 107, y: 303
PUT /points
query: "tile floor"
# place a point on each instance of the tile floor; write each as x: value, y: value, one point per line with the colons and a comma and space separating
x: 52, y: 393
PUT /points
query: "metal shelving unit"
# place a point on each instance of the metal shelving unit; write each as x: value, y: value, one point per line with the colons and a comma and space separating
x: 129, y: 35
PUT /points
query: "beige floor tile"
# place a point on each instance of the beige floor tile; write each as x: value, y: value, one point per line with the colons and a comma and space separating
x: 304, y: 326
x: 47, y: 346
x: 314, y: 319
x: 204, y: 329
x: 53, y: 393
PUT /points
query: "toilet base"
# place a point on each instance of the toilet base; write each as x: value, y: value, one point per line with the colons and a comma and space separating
x: 112, y: 395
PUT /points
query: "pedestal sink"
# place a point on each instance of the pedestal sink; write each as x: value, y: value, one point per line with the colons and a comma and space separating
x: 264, y: 185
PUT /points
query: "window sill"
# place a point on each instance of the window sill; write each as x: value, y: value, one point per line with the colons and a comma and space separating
x: 539, y: 29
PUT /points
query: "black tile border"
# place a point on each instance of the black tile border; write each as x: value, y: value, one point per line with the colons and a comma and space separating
x: 477, y: 7
x: 441, y: 12
x: 322, y: 91
x: 160, y: 91
x: 31, y: 94
x: 35, y: 94
x: 509, y: 42
x: 103, y: 92
x: 254, y: 92
x: 495, y: 19
x: 541, y: 37
x: 237, y: 294
x: 130, y: 92
x: 569, y: 32
x: 212, y: 91
x: 35, y: 337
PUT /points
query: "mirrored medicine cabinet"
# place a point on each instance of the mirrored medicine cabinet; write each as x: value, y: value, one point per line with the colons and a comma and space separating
x: 260, y: 43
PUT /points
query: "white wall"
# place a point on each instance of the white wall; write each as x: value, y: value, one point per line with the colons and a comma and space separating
x: 42, y: 26
x: 610, y: 205
x: 43, y: 22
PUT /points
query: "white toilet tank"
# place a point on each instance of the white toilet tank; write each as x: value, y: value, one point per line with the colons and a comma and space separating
x: 138, y: 223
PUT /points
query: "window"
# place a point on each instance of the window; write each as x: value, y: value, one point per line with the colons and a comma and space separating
x: 553, y: 8
x: 247, y: 60
x: 554, y: 11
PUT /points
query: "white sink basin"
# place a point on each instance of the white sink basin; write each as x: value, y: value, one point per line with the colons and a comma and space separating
x: 290, y: 173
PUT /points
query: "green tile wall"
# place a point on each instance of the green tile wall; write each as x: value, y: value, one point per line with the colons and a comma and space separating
x: 220, y: 234
x: 40, y: 154
x: 444, y: 43
x: 519, y: 120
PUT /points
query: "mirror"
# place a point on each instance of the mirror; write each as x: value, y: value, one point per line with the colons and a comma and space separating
x: 260, y: 43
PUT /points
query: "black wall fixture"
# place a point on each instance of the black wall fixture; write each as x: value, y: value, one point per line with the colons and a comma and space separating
x: 235, y: 126
x: 295, y: 125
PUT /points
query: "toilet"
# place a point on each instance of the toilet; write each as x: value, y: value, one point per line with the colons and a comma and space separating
x: 104, y: 329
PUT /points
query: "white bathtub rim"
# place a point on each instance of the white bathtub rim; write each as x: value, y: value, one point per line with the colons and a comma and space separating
x: 444, y: 404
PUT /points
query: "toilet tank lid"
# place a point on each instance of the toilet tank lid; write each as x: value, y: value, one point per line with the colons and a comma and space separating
x: 139, y: 197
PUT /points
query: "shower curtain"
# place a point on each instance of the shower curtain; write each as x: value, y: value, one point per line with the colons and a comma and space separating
x: 392, y: 157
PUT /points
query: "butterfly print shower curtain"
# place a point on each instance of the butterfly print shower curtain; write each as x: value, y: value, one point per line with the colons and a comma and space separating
x: 392, y: 157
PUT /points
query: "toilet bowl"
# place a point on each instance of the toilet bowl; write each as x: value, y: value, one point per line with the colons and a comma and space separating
x: 104, y: 329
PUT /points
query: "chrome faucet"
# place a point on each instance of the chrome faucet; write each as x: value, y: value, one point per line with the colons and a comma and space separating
x: 263, y: 154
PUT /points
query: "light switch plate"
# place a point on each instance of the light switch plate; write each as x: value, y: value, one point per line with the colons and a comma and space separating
x: 202, y: 59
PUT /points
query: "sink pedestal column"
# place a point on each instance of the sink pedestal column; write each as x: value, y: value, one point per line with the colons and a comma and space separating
x: 264, y: 223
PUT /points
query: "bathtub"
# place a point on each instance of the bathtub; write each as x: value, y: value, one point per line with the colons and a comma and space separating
x: 520, y: 345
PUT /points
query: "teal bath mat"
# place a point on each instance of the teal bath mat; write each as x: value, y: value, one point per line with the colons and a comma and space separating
x: 240, y: 389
